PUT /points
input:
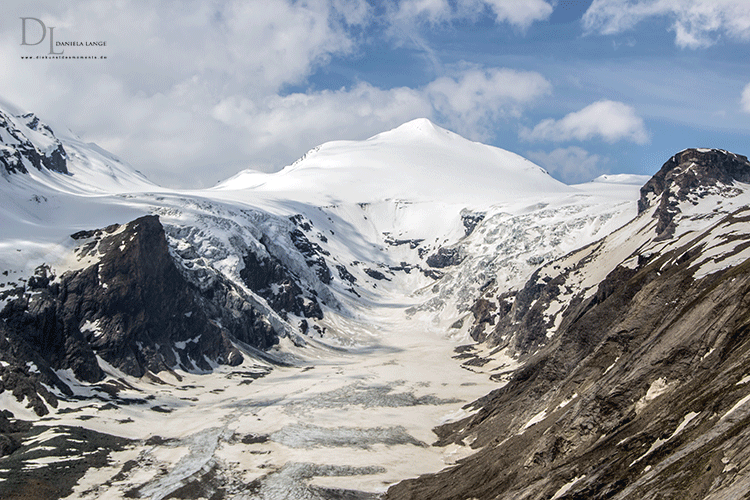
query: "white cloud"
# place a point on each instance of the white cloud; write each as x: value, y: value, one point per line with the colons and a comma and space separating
x: 609, y: 120
x: 518, y: 14
x: 432, y: 11
x: 696, y: 23
x: 255, y: 45
x: 469, y: 102
x: 203, y: 87
x: 746, y: 99
x: 571, y: 165
x: 474, y: 100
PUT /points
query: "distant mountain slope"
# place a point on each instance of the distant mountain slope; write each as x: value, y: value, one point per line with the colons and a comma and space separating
x: 633, y: 354
x: 28, y: 144
x: 29, y: 148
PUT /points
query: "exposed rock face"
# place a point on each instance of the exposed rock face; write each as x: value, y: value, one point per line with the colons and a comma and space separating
x: 69, y: 454
x: 18, y: 152
x: 520, y: 323
x: 10, y: 433
x: 139, y: 305
x: 444, y: 257
x: 635, y: 386
x: 312, y: 252
x: 470, y: 220
x: 54, y: 158
x: 375, y: 274
x: 269, y: 278
x: 35, y: 339
x: 131, y: 306
x: 690, y: 175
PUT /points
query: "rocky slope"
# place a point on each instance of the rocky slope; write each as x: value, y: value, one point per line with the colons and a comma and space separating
x: 26, y: 143
x: 635, y: 358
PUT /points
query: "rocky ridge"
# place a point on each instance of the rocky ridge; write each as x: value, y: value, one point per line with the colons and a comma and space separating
x: 691, y: 175
x: 27, y: 142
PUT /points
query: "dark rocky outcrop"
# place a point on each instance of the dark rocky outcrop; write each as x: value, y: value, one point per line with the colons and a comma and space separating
x: 520, y: 322
x: 444, y: 257
x: 64, y: 459
x: 397, y: 242
x: 375, y: 274
x: 142, y: 305
x: 268, y: 278
x: 313, y: 254
x: 470, y: 220
x: 132, y: 307
x: 345, y: 275
x: 11, y: 430
x: 691, y: 174
x: 55, y: 159
x: 19, y: 151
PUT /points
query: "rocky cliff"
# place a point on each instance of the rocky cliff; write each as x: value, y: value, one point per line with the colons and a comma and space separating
x: 132, y: 305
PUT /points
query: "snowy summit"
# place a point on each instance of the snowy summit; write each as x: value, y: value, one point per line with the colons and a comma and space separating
x: 416, y: 161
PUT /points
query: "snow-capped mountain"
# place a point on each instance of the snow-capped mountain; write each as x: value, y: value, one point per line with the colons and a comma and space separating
x: 420, y: 191
x: 417, y: 161
x: 292, y: 334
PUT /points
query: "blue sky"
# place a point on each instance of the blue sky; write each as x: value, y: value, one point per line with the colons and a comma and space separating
x: 193, y: 92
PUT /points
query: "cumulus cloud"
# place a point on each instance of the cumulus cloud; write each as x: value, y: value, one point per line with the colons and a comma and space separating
x: 746, y: 99
x: 571, y: 165
x: 696, y: 23
x: 519, y: 14
x: 609, y: 120
x: 196, y: 90
x: 474, y: 100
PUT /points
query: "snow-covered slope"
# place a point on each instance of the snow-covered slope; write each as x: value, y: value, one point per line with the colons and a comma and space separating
x: 403, y: 195
x: 417, y: 161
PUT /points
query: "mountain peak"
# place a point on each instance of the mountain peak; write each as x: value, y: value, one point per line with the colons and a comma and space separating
x: 415, y: 161
x: 419, y: 124
x: 691, y: 173
x: 419, y: 128
x: 694, y: 167
x: 27, y: 142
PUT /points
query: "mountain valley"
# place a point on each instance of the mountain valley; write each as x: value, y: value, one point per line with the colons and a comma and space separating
x: 411, y: 316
